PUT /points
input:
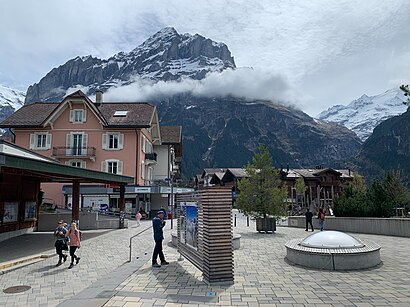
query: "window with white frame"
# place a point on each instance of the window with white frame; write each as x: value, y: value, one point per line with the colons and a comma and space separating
x: 40, y: 141
x: 112, y: 166
x: 78, y: 115
x: 76, y: 163
x: 76, y: 143
x: 113, y: 141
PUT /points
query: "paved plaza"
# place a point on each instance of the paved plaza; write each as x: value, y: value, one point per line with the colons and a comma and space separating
x: 104, y: 277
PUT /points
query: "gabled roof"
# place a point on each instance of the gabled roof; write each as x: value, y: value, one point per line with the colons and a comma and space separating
x: 238, y: 172
x: 139, y: 115
x: 315, y: 173
x: 32, y: 115
x: 171, y: 134
x: 211, y: 171
x: 326, y: 170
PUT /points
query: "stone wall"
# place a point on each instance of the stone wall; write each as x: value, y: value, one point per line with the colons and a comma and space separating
x: 382, y: 226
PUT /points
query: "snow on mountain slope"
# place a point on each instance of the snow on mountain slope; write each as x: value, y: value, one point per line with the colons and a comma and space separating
x: 365, y: 113
x: 10, y: 101
x: 10, y: 97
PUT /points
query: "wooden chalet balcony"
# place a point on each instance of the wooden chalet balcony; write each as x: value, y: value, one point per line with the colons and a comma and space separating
x: 151, y: 158
x: 74, y: 152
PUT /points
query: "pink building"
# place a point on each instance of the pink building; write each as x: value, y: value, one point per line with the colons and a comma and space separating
x: 113, y: 137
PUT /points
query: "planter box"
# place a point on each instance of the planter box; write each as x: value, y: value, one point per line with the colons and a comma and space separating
x: 266, y: 224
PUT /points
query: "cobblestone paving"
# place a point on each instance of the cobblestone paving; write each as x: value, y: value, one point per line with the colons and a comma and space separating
x: 262, y: 276
x: 51, y: 285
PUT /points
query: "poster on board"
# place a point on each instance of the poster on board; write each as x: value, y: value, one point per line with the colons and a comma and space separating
x: 10, y: 211
x: 191, y: 226
x: 30, y: 210
x: 182, y: 222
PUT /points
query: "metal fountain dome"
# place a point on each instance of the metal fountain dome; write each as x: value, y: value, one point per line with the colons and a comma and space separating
x: 333, y: 250
x: 331, y: 239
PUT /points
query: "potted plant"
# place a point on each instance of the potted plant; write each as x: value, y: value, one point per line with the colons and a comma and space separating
x: 260, y: 194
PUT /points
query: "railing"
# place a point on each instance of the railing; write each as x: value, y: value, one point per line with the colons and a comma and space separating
x: 151, y: 157
x: 133, y: 238
x: 70, y: 152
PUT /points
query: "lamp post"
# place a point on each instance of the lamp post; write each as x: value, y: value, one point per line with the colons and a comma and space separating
x: 171, y: 201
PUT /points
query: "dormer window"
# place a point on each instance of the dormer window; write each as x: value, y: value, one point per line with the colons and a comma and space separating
x: 78, y: 116
x: 120, y: 113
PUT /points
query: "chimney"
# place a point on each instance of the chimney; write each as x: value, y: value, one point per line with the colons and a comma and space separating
x: 98, y: 96
x: 287, y: 168
x: 349, y: 171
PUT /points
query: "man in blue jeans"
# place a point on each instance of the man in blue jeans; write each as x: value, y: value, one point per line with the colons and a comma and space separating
x: 157, y: 224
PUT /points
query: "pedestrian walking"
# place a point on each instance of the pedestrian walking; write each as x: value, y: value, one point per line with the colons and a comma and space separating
x: 75, y: 242
x: 309, y: 216
x: 138, y: 217
x: 158, y: 224
x: 321, y: 217
x: 61, y: 244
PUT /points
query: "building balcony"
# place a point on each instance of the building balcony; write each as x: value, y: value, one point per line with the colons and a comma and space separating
x: 150, y: 158
x: 74, y: 152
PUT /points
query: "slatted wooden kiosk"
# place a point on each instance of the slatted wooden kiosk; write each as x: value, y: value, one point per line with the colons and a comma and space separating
x: 205, y: 232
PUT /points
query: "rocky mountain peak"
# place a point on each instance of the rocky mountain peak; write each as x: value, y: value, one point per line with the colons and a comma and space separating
x: 166, y: 55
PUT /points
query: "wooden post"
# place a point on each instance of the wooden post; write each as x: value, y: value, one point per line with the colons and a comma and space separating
x: 75, y: 214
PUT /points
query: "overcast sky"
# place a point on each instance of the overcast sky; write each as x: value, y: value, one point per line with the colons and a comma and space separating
x: 328, y: 52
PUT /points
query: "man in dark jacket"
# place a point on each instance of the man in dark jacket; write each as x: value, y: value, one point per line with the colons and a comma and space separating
x: 157, y: 224
x: 309, y: 216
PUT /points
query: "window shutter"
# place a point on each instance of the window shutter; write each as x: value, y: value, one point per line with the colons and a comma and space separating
x: 68, y: 144
x: 104, y: 166
x: 142, y: 170
x: 33, y: 141
x: 143, y: 144
x: 104, y: 140
x: 83, y: 164
x: 85, y: 115
x: 119, y: 167
x: 67, y: 162
x: 48, y: 140
x: 71, y: 119
x: 120, y: 141
x: 85, y: 140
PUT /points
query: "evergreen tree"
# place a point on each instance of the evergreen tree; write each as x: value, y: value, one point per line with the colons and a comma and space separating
x: 261, y: 194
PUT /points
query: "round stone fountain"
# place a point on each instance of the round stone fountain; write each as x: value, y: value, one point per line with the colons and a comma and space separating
x: 333, y: 250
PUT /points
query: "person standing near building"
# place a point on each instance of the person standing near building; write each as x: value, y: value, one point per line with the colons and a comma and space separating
x: 138, y: 217
x: 158, y: 224
x: 75, y: 242
x: 309, y: 216
x: 60, y: 233
x: 321, y: 217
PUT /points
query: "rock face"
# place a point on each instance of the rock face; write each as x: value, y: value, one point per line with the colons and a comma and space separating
x: 217, y: 132
x: 165, y: 56
x: 226, y: 132
x: 388, y: 148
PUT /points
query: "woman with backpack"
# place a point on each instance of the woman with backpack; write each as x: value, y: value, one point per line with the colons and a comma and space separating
x: 75, y: 242
x: 321, y: 217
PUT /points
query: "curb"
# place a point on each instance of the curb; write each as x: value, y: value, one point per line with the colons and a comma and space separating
x: 11, y: 265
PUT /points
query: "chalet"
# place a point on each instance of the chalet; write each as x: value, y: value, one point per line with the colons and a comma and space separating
x: 111, y: 137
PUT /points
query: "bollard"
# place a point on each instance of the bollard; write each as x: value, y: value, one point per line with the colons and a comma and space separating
x: 234, y: 221
x: 247, y: 221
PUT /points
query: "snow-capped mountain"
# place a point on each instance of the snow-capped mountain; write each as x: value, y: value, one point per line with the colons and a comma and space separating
x: 365, y: 113
x: 11, y: 98
x: 217, y: 130
x: 167, y: 55
x: 10, y: 101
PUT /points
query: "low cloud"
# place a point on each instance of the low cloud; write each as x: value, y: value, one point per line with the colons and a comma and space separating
x: 245, y: 83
